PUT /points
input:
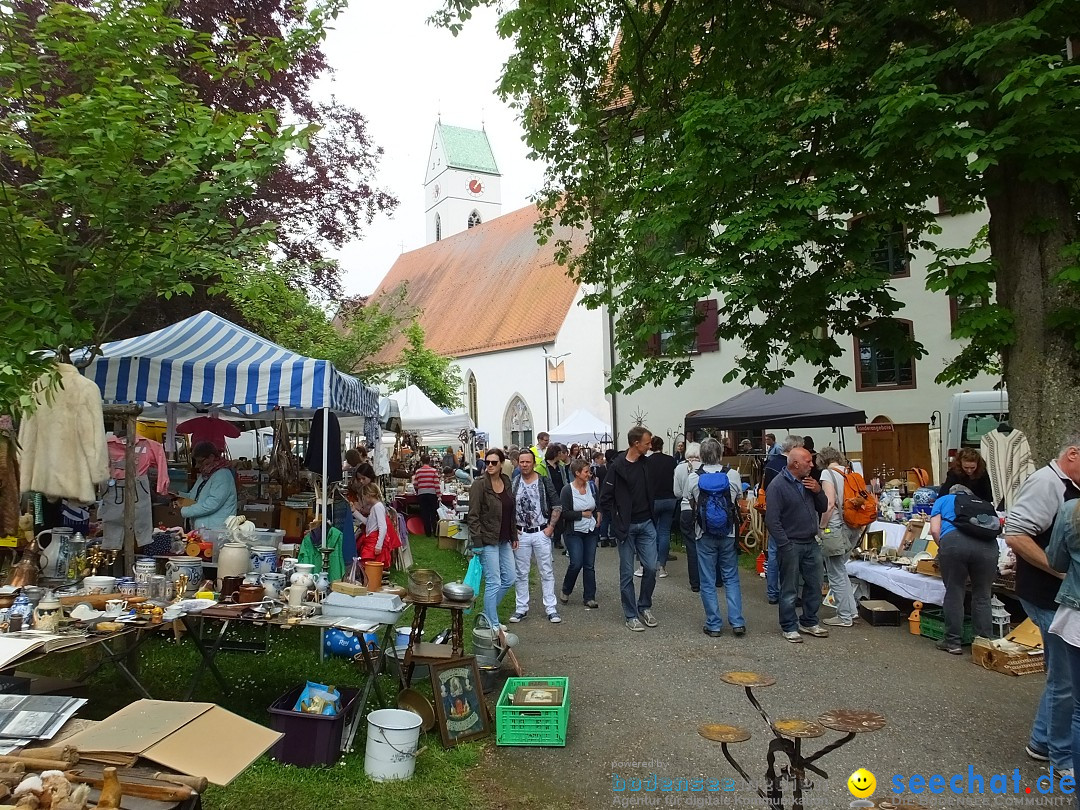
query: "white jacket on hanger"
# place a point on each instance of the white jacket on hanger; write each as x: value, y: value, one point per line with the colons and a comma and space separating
x: 62, y: 444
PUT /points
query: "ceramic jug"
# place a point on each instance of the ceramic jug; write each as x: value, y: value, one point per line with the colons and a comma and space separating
x: 322, y: 585
x: 144, y: 568
x: 56, y: 553
x: 48, y: 613
x: 191, y: 567
x: 274, y: 583
x: 233, y: 560
x: 264, y: 559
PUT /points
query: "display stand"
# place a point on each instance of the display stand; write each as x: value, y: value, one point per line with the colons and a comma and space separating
x: 420, y: 652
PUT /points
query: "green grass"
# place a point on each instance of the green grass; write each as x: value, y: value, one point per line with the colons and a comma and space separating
x: 443, y: 777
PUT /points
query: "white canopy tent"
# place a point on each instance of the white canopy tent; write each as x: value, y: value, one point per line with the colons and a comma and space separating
x: 581, y: 427
x: 423, y: 417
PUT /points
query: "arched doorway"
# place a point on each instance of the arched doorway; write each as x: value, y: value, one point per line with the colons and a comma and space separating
x: 518, y: 423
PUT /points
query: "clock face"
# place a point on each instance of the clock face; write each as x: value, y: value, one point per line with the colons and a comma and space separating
x: 435, y: 192
x: 475, y: 187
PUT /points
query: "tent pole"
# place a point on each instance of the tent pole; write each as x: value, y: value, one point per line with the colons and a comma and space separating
x: 325, y: 453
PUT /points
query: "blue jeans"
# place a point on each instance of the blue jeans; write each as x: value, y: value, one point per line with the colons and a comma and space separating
x: 1074, y: 668
x: 640, y: 542
x: 1052, y: 731
x: 663, y: 513
x: 796, y: 558
x: 605, y: 525
x: 719, y: 552
x: 687, y: 529
x: 772, y: 573
x: 500, y: 573
x: 582, y: 550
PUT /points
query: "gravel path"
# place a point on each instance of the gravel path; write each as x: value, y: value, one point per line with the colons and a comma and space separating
x: 639, y: 698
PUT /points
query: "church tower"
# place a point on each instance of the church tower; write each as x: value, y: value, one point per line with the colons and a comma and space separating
x: 462, y: 184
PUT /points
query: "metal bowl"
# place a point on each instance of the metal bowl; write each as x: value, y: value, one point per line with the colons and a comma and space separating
x: 458, y: 592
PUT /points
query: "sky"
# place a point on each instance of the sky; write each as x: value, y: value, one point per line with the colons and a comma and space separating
x: 402, y: 74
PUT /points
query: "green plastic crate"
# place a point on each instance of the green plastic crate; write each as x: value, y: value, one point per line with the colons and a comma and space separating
x: 932, y: 625
x: 531, y: 725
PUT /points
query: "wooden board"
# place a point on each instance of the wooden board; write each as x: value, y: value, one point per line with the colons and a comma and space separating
x: 97, y: 600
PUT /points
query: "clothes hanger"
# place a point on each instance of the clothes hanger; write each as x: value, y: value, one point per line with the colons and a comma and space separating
x: 1004, y: 427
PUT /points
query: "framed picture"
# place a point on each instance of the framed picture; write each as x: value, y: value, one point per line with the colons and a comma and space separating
x: 538, y: 696
x: 459, y: 700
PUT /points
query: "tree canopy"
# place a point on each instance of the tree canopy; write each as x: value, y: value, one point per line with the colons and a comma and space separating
x: 768, y: 149
x: 116, y: 178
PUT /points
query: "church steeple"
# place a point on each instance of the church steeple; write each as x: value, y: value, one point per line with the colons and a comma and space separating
x: 462, y: 183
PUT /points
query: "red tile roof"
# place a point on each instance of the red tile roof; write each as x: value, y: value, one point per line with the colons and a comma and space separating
x: 489, y: 288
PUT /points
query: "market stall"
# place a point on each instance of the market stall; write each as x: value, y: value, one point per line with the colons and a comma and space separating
x: 581, y: 427
x: 206, y: 361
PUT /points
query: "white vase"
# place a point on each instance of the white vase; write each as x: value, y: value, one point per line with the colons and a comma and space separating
x: 233, y: 560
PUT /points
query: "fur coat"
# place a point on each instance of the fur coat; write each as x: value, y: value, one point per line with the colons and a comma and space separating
x: 62, y: 444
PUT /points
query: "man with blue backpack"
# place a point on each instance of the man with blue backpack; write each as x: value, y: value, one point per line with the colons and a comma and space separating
x: 713, y: 488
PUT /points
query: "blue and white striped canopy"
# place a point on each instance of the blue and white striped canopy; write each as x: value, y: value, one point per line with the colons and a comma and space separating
x: 207, y: 360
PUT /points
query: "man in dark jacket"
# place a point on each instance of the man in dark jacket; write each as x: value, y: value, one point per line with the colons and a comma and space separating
x: 794, y: 503
x: 627, y: 497
x: 662, y: 479
x: 599, y: 473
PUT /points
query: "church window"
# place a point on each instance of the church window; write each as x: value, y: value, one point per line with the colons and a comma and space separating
x: 474, y: 218
x: 471, y: 398
x: 438, y: 227
x: 517, y: 422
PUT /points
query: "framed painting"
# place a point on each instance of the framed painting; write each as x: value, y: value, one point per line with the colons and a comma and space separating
x: 459, y: 700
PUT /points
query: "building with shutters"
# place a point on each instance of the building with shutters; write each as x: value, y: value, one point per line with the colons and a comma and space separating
x: 904, y: 390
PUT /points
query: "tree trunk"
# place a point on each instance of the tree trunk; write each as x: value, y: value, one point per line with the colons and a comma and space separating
x: 1030, y: 223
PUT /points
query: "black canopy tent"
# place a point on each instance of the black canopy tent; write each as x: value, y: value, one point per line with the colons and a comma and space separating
x: 756, y: 409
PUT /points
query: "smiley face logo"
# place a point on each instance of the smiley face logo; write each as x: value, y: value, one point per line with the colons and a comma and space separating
x: 861, y: 783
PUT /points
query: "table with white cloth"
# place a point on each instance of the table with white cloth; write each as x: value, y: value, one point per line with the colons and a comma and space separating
x: 926, y: 589
x: 897, y: 579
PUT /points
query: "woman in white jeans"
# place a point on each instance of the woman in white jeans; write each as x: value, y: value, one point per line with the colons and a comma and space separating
x: 837, y: 538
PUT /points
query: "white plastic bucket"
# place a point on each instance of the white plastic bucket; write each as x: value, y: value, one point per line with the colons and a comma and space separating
x: 392, y: 737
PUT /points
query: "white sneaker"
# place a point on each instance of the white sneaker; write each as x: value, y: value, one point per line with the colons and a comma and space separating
x: 638, y: 572
x: 661, y: 574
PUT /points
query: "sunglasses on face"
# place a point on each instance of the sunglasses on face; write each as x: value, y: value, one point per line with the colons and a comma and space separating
x: 491, y: 462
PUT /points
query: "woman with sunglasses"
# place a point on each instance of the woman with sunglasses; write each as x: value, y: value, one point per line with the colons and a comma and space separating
x: 493, y: 529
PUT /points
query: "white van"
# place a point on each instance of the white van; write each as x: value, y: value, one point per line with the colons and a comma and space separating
x: 972, y: 415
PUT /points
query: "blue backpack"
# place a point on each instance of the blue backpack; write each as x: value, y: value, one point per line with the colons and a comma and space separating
x: 714, y: 510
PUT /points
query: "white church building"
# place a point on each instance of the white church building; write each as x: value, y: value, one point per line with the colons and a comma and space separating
x: 530, y: 354
x: 492, y: 298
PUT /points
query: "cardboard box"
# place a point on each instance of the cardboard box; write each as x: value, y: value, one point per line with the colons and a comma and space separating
x: 1007, y: 657
x: 179, y: 736
x: 167, y: 515
x: 261, y: 514
x: 449, y: 528
x: 928, y: 567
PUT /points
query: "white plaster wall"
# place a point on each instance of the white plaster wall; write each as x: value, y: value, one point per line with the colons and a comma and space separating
x: 501, y: 375
x: 666, y: 406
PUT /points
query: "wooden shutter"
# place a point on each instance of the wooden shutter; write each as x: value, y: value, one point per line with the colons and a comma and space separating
x: 707, y: 341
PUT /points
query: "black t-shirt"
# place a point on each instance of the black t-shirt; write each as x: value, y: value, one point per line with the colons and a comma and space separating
x: 507, y: 530
x: 637, y: 478
x: 662, y: 475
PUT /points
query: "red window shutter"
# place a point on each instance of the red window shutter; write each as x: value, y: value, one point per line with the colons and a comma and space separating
x: 707, y: 341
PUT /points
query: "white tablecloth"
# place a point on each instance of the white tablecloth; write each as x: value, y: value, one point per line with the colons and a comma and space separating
x: 929, y: 590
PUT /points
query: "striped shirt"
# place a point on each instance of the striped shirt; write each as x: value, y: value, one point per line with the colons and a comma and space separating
x: 426, y: 481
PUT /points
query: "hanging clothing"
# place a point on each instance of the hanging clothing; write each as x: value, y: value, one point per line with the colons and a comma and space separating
x: 313, y: 459
x: 209, y: 429
x: 63, y: 441
x: 148, y: 455
x: 309, y: 552
x: 1008, y: 460
x: 9, y: 480
x: 111, y: 513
